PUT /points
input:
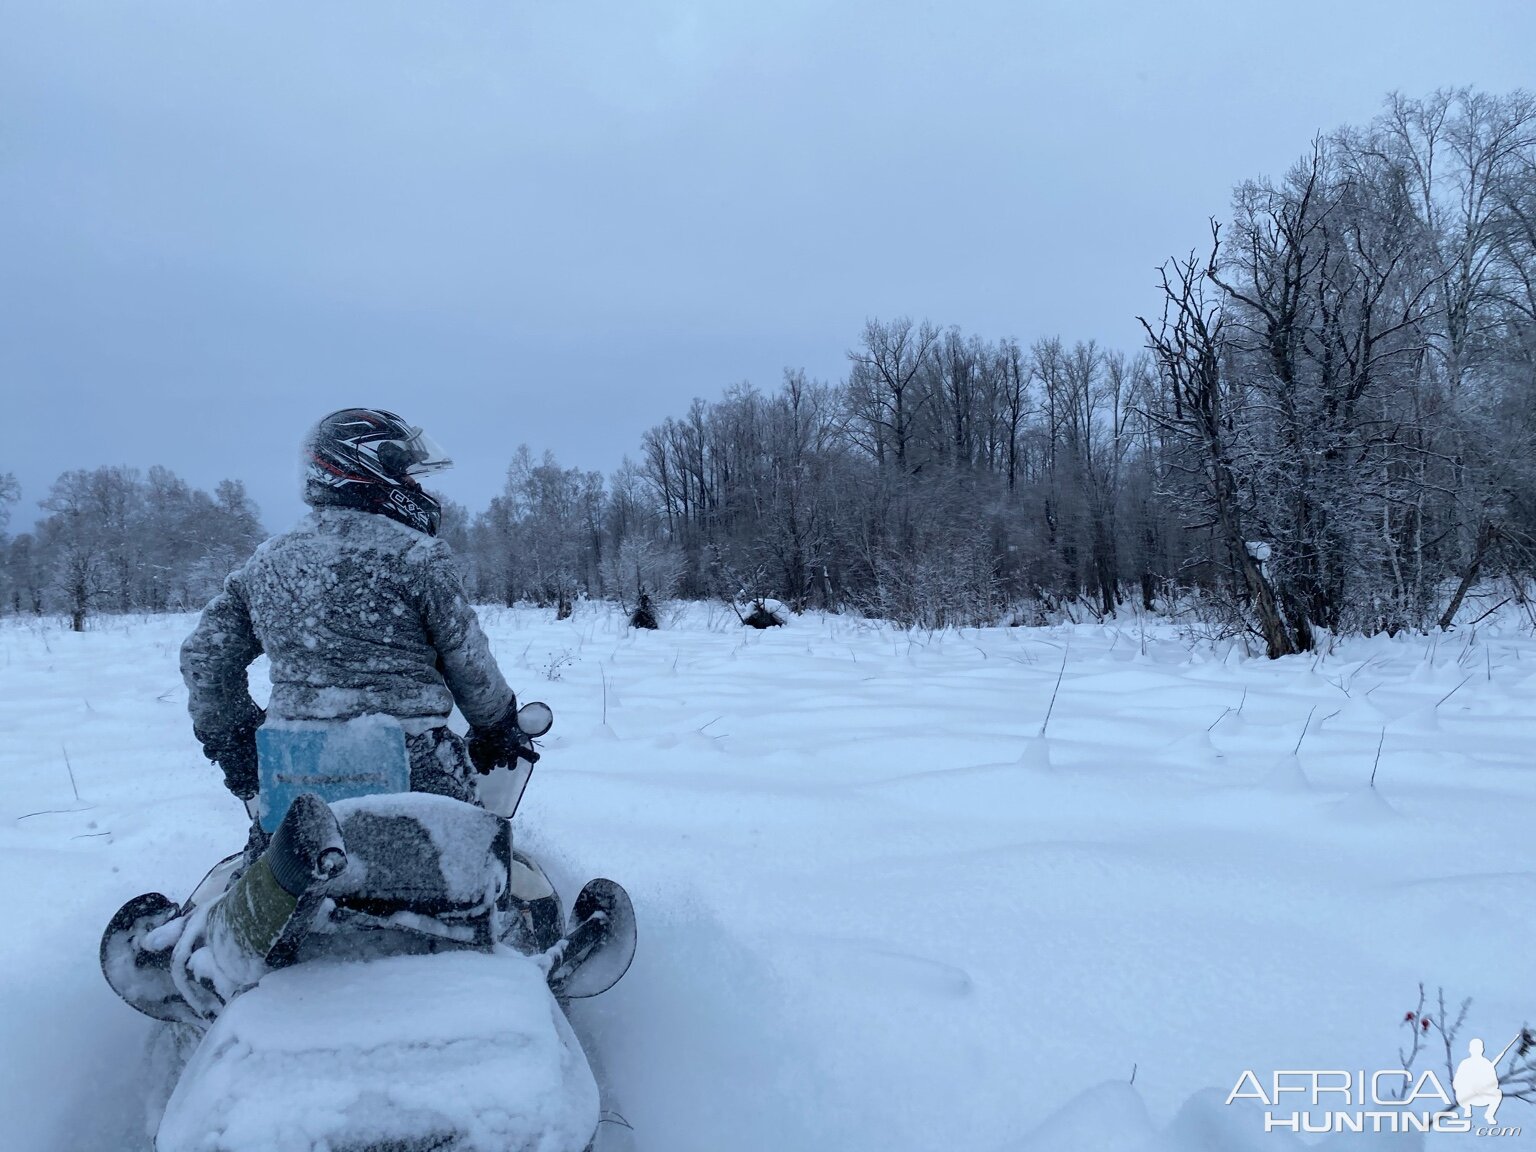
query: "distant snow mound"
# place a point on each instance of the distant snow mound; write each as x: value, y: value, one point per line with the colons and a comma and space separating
x: 763, y: 612
x: 1111, y: 1117
x: 1108, y: 1118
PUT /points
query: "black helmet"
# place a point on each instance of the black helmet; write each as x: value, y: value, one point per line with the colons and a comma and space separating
x: 368, y: 458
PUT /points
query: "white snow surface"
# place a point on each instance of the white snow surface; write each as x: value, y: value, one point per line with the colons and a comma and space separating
x: 877, y: 908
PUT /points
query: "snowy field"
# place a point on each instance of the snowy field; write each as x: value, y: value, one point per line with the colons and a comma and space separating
x: 877, y: 911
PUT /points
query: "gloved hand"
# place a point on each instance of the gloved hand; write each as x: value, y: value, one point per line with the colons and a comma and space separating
x: 235, y: 753
x: 501, y: 744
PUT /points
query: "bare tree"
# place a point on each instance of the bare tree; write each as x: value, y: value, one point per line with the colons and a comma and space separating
x: 10, y: 492
x: 887, y: 389
x: 1190, y: 347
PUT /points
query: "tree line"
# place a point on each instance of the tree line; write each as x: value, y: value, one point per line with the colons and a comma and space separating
x: 1331, y: 427
x: 118, y: 540
x: 1347, y: 373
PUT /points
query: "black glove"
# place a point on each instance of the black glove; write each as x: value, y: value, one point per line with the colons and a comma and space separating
x: 501, y: 744
x: 235, y: 753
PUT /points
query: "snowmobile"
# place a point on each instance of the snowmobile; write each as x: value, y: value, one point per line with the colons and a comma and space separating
x: 388, y: 975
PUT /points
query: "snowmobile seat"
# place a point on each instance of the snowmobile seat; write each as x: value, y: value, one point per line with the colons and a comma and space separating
x: 423, y: 854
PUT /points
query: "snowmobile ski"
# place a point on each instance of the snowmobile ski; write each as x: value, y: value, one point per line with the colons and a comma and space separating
x: 135, y: 969
x: 599, y: 945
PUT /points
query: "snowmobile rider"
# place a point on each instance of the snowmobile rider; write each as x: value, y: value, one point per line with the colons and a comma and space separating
x: 360, y: 610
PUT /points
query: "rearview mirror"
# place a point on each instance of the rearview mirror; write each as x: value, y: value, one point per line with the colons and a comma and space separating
x: 535, y: 718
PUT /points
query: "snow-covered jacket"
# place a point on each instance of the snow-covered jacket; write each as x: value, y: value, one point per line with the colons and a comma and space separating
x: 357, y: 614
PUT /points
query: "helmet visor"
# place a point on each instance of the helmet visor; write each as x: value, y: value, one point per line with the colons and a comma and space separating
x: 421, y: 454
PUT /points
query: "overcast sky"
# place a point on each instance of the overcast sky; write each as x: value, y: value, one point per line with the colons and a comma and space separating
x: 556, y: 221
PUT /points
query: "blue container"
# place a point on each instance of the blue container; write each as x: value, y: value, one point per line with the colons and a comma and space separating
x: 361, y: 757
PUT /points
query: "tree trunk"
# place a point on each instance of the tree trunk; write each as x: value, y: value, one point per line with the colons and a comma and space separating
x: 1485, y: 536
